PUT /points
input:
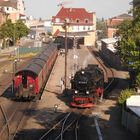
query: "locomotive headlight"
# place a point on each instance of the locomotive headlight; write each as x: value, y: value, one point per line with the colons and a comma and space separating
x: 82, y: 72
x: 31, y: 86
x: 76, y: 91
x: 87, y: 92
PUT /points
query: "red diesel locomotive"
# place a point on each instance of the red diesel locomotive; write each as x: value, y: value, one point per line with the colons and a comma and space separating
x: 30, y: 81
x: 87, y: 86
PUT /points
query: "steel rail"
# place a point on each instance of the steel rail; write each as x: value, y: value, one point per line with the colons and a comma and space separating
x: 9, y: 120
x: 65, y: 129
x: 76, y: 129
x: 102, y: 65
x: 43, y: 136
x: 7, y: 124
x: 98, y: 129
x: 64, y: 125
x: 20, y: 121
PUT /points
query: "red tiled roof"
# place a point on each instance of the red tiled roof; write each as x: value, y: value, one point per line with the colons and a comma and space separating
x: 73, y: 14
x: 114, y: 21
x: 8, y: 4
x: 56, y: 33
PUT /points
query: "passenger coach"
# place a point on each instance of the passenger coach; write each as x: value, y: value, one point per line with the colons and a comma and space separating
x: 30, y: 81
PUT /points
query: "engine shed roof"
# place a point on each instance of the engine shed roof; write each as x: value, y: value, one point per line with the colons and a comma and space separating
x: 38, y: 62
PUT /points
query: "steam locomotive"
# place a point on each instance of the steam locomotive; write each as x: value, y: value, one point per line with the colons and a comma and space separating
x: 30, y: 81
x: 87, y: 86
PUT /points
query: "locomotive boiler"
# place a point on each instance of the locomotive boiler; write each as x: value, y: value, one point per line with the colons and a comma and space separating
x: 87, y: 86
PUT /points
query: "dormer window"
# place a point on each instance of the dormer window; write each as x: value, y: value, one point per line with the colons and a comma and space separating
x: 86, y: 20
x: 57, y: 20
x: 77, y: 20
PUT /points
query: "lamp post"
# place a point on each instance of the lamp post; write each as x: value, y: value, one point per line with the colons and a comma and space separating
x: 14, y: 34
x: 65, y: 27
x: 14, y: 70
x: 66, y: 50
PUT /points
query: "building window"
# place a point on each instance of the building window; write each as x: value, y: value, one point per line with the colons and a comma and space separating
x: 88, y: 27
x: 72, y: 27
x: 86, y: 20
x: 77, y: 27
x: 7, y: 8
x: 77, y: 20
x: 84, y: 28
x: 57, y: 20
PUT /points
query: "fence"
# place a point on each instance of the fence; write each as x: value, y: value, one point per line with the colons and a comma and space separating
x: 131, y: 121
x: 26, y: 50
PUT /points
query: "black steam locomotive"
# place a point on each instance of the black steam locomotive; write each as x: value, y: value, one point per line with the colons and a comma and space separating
x: 87, y: 86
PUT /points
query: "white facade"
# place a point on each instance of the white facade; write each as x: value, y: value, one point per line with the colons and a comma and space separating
x: 21, y: 7
x: 81, y: 28
x: 9, y: 10
x: 15, y: 12
x: 48, y: 23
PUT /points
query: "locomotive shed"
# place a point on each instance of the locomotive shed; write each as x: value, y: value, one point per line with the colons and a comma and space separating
x: 40, y: 117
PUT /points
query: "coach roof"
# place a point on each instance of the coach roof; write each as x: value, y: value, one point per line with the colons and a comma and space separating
x: 38, y: 62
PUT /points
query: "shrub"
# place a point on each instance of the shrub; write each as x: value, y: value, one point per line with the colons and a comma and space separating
x: 125, y: 94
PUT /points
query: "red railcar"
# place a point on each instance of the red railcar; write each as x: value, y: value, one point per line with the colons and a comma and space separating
x: 87, y: 86
x: 30, y: 80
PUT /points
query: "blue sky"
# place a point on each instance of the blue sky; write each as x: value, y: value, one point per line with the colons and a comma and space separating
x: 103, y: 8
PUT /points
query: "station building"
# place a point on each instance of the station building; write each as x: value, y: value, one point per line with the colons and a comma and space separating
x: 81, y: 25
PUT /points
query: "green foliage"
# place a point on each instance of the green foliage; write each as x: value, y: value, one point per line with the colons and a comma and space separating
x: 138, y: 79
x: 129, y: 32
x: 49, y: 34
x: 101, y: 28
x: 13, y: 31
x: 6, y: 30
x: 20, y: 29
x: 125, y: 94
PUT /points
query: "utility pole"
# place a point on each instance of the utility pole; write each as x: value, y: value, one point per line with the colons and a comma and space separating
x: 66, y: 49
x: 14, y: 34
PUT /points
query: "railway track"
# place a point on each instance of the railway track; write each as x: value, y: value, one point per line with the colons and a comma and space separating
x: 108, y: 72
x: 68, y: 127
x: 6, y: 78
x: 58, y: 131
x: 13, y: 121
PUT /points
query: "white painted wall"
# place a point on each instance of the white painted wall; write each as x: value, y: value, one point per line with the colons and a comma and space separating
x: 81, y: 28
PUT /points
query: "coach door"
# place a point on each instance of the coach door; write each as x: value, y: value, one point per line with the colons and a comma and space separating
x: 24, y: 80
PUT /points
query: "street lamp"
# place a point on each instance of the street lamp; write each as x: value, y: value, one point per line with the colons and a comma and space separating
x: 66, y: 24
x: 14, y: 71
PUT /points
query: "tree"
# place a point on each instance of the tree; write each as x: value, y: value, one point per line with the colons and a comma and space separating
x: 125, y: 94
x: 129, y: 32
x: 101, y: 29
x: 20, y: 30
x: 6, y: 32
x: 12, y: 31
